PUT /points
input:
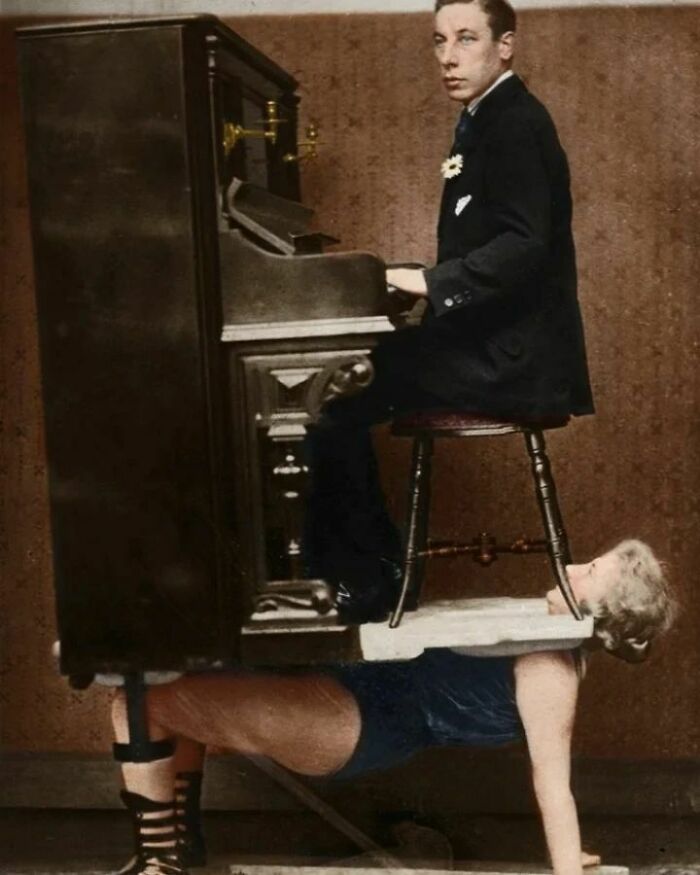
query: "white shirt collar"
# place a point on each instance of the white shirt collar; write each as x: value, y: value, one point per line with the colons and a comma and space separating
x: 474, y: 105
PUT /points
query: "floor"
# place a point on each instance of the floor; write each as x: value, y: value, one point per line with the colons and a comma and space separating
x: 44, y: 842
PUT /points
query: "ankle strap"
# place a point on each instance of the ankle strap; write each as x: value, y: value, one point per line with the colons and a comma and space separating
x: 161, y: 864
x: 137, y: 803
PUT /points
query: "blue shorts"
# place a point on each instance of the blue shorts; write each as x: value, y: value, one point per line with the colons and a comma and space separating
x: 440, y: 698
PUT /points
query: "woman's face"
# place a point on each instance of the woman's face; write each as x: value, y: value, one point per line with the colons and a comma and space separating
x: 589, y: 582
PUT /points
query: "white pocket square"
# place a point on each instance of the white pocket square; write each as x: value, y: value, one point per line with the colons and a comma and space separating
x: 461, y: 204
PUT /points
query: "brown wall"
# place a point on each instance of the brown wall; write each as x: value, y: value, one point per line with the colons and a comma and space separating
x: 622, y: 85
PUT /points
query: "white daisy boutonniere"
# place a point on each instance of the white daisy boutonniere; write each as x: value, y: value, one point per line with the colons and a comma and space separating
x: 452, y: 166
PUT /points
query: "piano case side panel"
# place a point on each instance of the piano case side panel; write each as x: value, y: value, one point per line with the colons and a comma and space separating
x: 141, y: 573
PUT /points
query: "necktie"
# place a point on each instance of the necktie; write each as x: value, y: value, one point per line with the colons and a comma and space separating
x: 463, y: 131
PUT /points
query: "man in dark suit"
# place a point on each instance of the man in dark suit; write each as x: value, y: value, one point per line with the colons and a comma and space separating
x: 502, y: 332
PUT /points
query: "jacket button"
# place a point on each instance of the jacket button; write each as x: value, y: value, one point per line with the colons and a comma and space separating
x: 449, y: 302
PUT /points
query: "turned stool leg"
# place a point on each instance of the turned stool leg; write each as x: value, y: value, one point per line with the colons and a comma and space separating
x: 555, y: 533
x: 417, y: 525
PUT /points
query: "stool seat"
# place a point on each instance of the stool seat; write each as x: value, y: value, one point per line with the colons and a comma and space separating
x: 464, y: 424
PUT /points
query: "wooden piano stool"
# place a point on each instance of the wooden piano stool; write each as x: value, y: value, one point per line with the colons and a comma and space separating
x: 424, y: 427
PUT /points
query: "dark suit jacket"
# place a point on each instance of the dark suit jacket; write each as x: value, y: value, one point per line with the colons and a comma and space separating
x: 503, y: 331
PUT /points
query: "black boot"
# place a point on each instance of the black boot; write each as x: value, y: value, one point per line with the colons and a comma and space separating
x: 157, y: 853
x: 369, y: 593
x: 188, y: 791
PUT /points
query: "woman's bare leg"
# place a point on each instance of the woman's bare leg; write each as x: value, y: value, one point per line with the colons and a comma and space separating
x: 309, y: 723
x: 189, y: 755
x: 150, y: 797
x: 155, y: 779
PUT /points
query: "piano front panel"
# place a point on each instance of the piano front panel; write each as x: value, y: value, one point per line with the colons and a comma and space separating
x: 272, y: 386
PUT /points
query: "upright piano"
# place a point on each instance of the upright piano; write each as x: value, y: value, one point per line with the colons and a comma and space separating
x: 185, y: 310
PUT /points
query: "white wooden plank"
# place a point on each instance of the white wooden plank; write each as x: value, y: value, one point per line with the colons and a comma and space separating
x: 483, y: 627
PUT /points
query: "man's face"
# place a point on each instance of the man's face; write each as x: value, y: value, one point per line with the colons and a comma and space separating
x: 469, y: 57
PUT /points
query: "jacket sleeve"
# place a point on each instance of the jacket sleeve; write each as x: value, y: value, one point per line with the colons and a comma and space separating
x: 517, y: 197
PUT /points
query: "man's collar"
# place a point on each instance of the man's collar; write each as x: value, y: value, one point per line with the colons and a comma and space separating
x: 474, y: 105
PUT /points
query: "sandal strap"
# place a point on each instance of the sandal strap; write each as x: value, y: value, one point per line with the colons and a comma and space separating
x: 159, y: 822
x: 154, y: 863
x: 165, y: 864
x: 188, y: 791
x: 156, y: 832
x: 135, y: 802
x: 187, y: 796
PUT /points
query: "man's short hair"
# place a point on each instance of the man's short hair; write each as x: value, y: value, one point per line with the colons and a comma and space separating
x: 500, y: 14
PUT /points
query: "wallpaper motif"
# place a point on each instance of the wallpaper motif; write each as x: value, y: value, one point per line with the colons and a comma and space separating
x: 621, y: 85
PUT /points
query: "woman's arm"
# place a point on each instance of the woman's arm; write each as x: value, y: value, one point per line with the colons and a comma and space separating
x: 546, y: 692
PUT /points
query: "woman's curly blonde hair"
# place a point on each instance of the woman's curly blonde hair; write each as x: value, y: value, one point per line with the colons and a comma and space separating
x: 637, y: 607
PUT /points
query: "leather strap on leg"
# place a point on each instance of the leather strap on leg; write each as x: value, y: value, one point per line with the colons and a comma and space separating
x: 140, y: 748
x: 143, y: 752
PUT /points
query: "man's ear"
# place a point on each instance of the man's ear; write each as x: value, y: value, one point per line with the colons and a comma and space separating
x: 506, y: 46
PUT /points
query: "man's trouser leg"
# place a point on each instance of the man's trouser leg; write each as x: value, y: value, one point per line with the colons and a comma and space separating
x: 349, y: 538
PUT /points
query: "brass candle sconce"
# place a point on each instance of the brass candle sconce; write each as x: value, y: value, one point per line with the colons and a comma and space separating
x: 233, y: 132
x: 310, y: 144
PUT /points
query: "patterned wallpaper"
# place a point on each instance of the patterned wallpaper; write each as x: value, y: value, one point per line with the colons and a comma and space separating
x: 621, y: 85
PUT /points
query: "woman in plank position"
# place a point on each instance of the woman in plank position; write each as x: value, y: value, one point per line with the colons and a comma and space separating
x: 344, y: 720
